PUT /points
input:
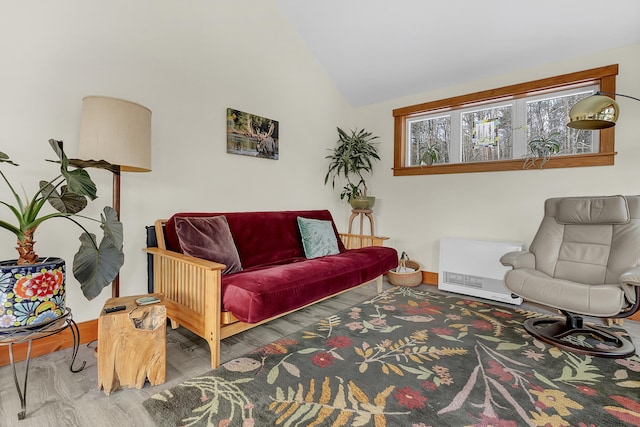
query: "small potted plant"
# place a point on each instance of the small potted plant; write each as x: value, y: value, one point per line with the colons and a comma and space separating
x: 32, y: 288
x: 542, y: 148
x: 353, y: 156
x: 429, y: 154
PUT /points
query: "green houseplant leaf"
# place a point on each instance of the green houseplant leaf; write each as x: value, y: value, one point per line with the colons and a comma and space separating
x: 78, y: 180
x: 5, y: 159
x: 65, y: 201
x: 96, y: 267
x: 112, y: 227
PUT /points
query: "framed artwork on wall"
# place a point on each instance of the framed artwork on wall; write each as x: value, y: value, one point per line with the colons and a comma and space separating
x: 251, y: 135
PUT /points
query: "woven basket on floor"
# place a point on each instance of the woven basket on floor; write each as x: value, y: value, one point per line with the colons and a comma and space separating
x: 413, y: 278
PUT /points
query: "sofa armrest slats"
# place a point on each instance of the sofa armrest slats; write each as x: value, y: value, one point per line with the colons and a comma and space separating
x: 192, y: 290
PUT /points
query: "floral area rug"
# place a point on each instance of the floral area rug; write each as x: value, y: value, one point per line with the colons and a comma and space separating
x: 410, y: 358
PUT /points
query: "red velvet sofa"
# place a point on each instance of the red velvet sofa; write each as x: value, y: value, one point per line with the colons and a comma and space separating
x: 259, y: 268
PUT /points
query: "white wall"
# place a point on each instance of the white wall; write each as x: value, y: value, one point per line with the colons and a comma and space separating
x: 416, y: 211
x: 187, y: 62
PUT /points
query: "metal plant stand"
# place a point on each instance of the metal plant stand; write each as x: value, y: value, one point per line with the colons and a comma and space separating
x: 32, y: 333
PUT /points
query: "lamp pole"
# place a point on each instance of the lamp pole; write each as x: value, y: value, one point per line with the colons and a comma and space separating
x: 115, y: 285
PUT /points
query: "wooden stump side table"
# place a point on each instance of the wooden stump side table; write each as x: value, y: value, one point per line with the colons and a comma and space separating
x: 131, y: 344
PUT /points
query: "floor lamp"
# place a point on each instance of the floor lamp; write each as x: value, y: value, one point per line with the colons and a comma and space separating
x: 597, y: 111
x: 119, y: 132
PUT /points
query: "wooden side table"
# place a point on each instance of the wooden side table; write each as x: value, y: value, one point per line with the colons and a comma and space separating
x: 131, y: 344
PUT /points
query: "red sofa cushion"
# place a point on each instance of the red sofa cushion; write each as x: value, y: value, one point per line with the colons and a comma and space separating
x: 260, y: 293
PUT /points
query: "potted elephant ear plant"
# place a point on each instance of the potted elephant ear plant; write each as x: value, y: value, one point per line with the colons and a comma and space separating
x: 32, y: 288
x: 353, y: 156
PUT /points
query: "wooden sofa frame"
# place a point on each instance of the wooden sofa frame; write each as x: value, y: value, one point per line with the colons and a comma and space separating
x: 192, y: 291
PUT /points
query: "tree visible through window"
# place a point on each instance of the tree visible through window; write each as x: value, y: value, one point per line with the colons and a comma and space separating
x: 430, y: 134
x: 549, y: 115
x: 493, y: 130
x: 487, y: 134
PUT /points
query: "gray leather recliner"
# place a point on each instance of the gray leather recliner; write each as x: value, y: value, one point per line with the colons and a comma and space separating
x: 583, y: 261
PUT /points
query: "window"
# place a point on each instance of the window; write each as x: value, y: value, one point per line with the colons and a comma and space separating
x: 490, y: 130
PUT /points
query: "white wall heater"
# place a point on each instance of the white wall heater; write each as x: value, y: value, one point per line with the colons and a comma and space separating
x: 472, y: 267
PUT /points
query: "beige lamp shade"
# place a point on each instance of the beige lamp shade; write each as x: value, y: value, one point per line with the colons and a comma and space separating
x: 116, y: 131
x: 594, y: 112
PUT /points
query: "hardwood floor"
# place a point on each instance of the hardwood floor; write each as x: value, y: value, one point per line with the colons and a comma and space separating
x: 57, y: 397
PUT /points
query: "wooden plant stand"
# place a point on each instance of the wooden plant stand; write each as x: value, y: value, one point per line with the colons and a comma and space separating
x: 362, y: 213
x: 131, y: 344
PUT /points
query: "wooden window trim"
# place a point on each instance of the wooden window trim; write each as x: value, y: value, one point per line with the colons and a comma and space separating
x: 604, y: 76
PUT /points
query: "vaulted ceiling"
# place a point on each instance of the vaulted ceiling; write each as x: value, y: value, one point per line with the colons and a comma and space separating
x: 377, y: 50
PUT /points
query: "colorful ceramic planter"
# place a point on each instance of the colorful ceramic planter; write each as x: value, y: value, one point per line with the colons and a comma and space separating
x: 32, y: 294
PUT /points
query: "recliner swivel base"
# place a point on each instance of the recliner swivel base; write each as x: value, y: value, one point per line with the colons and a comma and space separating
x: 558, y: 332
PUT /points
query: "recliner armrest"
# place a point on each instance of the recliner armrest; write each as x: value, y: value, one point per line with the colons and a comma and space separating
x: 628, y: 279
x: 631, y: 276
x: 519, y: 259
